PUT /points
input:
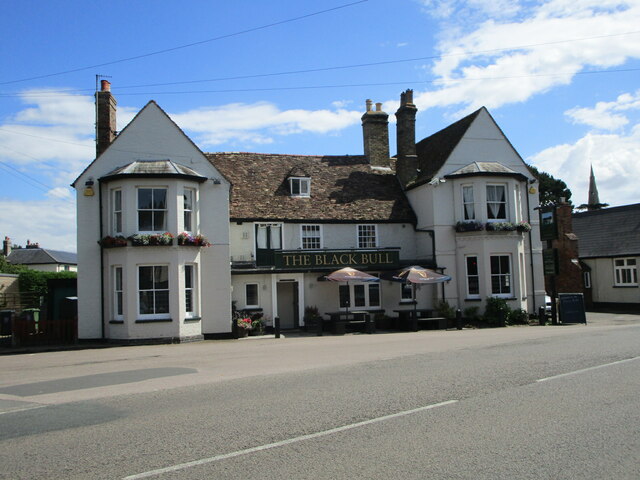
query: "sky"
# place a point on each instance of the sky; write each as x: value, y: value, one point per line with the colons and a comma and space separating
x: 560, y: 77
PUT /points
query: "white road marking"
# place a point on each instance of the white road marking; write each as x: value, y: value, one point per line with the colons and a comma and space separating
x: 281, y: 443
x: 23, y: 409
x: 587, y: 369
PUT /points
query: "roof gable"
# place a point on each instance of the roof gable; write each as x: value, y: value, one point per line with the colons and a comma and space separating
x: 151, y: 135
x: 345, y: 189
x: 473, y: 144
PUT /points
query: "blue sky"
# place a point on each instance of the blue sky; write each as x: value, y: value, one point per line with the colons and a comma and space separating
x: 559, y: 76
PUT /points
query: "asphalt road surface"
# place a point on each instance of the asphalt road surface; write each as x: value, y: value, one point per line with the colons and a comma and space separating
x: 555, y: 402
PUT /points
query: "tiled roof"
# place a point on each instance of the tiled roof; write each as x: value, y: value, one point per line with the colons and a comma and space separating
x: 434, y: 150
x: 343, y: 189
x: 33, y: 256
x: 609, y: 232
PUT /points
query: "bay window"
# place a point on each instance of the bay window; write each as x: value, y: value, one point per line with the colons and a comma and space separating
x: 501, y: 275
x: 188, y: 196
x: 117, y: 293
x: 116, y: 211
x: 190, y: 290
x: 152, y: 209
x: 473, y: 279
x: 496, y: 202
x: 153, y: 290
x: 468, y: 205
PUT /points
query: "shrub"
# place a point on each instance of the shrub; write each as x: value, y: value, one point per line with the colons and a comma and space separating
x: 471, y: 313
x: 445, y: 310
x: 518, y: 317
x: 496, y: 307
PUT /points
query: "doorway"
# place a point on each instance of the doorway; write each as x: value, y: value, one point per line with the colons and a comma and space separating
x: 288, y: 300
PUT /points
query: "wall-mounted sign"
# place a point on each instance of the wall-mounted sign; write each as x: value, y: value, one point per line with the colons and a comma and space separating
x: 337, y: 259
x: 548, y: 225
x: 550, y: 261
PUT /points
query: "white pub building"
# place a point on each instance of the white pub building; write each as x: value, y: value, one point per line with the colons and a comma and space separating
x: 460, y: 201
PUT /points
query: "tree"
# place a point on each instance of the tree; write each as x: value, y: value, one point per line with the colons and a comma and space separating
x: 550, y: 189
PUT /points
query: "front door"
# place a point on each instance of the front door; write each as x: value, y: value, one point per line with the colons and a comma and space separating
x: 288, y: 304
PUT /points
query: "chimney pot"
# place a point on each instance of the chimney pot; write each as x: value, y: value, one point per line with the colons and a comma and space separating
x: 378, y: 107
x: 105, y: 85
x: 368, y: 105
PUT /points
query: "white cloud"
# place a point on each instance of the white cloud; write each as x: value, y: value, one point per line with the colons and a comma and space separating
x: 607, y: 115
x: 258, y: 122
x: 494, y: 77
x: 614, y: 159
x: 51, y: 223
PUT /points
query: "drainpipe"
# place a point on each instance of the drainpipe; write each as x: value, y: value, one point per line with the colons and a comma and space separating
x: 101, y: 261
x: 533, y: 277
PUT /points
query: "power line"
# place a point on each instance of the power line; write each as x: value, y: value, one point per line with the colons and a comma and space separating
x: 172, y: 49
x: 351, y: 66
x: 318, y: 87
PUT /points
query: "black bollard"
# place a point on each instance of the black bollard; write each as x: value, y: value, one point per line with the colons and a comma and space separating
x: 501, y: 318
x: 459, y: 319
x: 276, y: 325
x: 542, y: 315
x: 319, y: 326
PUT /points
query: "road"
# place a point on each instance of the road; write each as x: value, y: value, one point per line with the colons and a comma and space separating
x: 555, y: 402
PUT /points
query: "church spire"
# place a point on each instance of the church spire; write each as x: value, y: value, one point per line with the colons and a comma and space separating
x: 593, y: 199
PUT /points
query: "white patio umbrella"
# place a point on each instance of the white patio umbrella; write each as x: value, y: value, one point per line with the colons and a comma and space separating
x: 417, y: 274
x: 348, y: 274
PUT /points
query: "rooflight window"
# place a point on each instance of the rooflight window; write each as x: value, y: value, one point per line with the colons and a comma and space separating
x: 299, y: 186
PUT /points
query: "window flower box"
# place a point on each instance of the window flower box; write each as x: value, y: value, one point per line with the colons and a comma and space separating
x: 154, y: 239
x: 501, y: 227
x: 113, y: 242
x: 523, y: 227
x: 186, y: 239
x: 469, y: 227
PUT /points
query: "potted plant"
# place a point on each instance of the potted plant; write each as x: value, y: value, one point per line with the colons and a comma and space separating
x: 244, y: 326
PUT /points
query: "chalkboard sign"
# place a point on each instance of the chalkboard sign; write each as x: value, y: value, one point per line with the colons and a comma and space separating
x: 572, y: 308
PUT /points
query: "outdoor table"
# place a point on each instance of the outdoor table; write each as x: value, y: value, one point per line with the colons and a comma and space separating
x: 410, y: 317
x: 338, y: 320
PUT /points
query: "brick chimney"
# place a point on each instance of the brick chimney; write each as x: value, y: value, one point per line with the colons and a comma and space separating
x: 375, y: 131
x: 407, y: 161
x: 6, y: 246
x: 105, y: 117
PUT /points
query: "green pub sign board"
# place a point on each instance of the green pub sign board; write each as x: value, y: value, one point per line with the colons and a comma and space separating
x: 337, y: 259
x: 550, y: 261
x: 548, y: 225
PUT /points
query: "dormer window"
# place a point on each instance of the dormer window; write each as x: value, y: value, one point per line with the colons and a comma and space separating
x: 299, y: 186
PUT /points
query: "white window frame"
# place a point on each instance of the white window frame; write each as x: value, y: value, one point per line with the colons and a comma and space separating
x: 152, y: 210
x: 154, y: 315
x: 406, y: 293
x: 490, y: 218
x: 365, y: 233
x: 312, y: 233
x: 625, y: 272
x: 300, y: 186
x: 470, y: 276
x: 246, y: 295
x: 190, y: 276
x: 367, y: 290
x: 116, y: 211
x: 118, y: 293
x: 466, y: 215
x: 502, y: 275
x: 188, y: 214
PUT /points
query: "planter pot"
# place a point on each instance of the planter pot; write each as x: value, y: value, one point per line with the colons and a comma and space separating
x: 242, y: 332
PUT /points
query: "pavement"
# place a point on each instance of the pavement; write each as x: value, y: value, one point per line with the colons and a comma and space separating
x: 593, y: 318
